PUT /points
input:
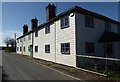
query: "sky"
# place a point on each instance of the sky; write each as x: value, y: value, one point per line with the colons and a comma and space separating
x: 16, y: 14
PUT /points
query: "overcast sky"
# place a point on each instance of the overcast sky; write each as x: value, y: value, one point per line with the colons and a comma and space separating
x: 16, y: 14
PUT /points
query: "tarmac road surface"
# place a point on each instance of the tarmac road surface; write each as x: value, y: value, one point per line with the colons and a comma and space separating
x: 19, y: 68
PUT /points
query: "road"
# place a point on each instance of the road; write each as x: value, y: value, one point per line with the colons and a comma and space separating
x: 19, y: 68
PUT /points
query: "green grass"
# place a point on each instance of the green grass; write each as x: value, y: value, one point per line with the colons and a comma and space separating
x: 8, y: 50
x: 114, y: 75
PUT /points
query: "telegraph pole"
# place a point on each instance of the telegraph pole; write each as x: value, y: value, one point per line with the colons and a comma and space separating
x: 15, y: 42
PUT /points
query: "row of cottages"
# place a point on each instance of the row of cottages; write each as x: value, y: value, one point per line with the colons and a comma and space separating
x: 76, y: 31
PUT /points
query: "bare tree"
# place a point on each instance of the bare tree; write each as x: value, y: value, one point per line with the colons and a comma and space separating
x: 7, y: 41
x: 12, y: 43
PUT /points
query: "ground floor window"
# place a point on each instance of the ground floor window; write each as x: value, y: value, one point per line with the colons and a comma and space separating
x: 90, y: 47
x: 17, y: 48
x: 36, y: 48
x: 65, y: 48
x: 20, y: 48
x: 24, y: 48
x: 47, y: 48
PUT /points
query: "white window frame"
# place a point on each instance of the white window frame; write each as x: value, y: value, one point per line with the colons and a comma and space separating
x: 47, y: 29
x: 64, y: 47
x: 64, y: 22
x: 47, y: 48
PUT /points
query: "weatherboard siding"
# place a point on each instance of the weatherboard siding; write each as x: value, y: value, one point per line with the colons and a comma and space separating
x: 86, y: 34
x: 42, y: 40
x: 64, y: 36
x: 55, y: 38
x: 76, y: 34
x: 25, y: 43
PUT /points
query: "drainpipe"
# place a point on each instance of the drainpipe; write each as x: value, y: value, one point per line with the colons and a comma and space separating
x: 55, y: 41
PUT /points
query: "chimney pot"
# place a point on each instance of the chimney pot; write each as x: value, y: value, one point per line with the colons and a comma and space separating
x: 25, y: 28
x: 50, y: 12
x: 34, y: 23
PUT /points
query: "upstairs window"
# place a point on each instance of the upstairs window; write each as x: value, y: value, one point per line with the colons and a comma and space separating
x: 47, y: 29
x: 64, y: 22
x: 20, y: 39
x: 90, y: 47
x: 24, y: 38
x: 107, y: 26
x: 89, y: 21
x: 29, y: 37
x: 65, y: 48
x: 36, y: 48
x: 47, y: 48
x: 36, y: 33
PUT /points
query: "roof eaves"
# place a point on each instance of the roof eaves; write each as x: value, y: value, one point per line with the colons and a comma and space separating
x: 77, y: 9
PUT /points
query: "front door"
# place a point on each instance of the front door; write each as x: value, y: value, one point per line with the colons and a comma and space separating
x: 30, y: 48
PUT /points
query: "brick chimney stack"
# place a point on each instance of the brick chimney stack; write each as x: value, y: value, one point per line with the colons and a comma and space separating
x: 50, y: 12
x: 34, y: 23
x: 25, y: 29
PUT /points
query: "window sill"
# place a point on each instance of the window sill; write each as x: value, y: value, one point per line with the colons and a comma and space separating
x: 47, y: 52
x: 64, y: 27
x: 65, y: 53
x: 47, y: 33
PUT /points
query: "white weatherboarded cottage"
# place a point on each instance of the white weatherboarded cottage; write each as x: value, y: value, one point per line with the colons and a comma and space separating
x: 74, y: 32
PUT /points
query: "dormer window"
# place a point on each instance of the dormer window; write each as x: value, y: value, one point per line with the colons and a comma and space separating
x: 64, y: 22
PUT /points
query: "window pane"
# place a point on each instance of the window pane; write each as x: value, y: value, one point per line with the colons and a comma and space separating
x: 62, y: 23
x: 65, y: 48
x: 47, y: 48
x: 29, y: 37
x: 36, y: 33
x: 36, y: 48
x: 24, y: 49
x: 24, y: 38
x: 65, y: 22
x: 47, y: 29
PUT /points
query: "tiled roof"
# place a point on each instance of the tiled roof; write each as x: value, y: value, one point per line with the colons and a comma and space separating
x: 73, y: 9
